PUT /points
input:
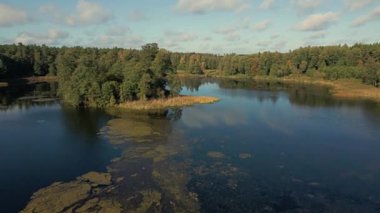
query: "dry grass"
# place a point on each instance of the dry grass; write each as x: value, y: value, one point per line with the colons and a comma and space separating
x: 38, y: 79
x: 349, y: 89
x: 168, y: 102
x: 3, y: 84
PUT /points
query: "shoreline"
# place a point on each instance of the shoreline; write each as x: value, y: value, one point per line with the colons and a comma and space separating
x: 28, y: 80
x: 343, y: 88
x: 348, y: 89
x: 179, y: 101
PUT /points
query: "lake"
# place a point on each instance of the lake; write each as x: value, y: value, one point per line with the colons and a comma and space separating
x: 265, y: 147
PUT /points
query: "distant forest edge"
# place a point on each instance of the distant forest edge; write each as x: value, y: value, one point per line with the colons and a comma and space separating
x: 101, y: 77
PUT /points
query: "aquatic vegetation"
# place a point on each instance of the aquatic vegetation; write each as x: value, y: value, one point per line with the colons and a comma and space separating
x: 160, y: 153
x: 119, y: 129
x: 151, y: 200
x: 100, y: 205
x: 166, y: 179
x: 173, y: 178
x: 214, y: 154
x: 96, y: 178
x: 82, y: 195
x: 58, y: 197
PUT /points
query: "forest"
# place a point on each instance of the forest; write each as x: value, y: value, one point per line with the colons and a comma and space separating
x: 102, y: 77
x: 360, y: 61
x: 95, y: 77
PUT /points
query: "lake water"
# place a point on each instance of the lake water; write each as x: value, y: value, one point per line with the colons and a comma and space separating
x: 42, y: 142
x: 265, y: 147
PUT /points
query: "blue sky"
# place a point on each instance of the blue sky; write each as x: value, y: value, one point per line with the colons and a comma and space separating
x: 214, y: 26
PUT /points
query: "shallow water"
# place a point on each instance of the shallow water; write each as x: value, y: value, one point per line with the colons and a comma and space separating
x: 265, y: 147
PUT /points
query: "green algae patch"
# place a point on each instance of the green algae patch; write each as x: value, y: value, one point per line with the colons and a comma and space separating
x: 213, y: 154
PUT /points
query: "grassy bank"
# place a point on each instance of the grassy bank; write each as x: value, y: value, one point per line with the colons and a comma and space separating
x: 168, y: 102
x: 343, y: 88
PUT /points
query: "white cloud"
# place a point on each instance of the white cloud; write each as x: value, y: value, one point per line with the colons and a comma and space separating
x: 174, y: 40
x: 318, y: 21
x: 136, y: 15
x: 126, y: 41
x: 233, y: 30
x: 180, y: 36
x: 226, y: 30
x: 116, y: 36
x: 53, y: 11
x: 202, y: 6
x: 362, y: 20
x: 263, y: 25
x: 264, y: 43
x: 118, y: 31
x: 307, y: 4
x: 266, y: 4
x: 207, y: 38
x: 230, y: 33
x: 275, y: 36
x: 52, y: 37
x: 10, y: 16
x: 357, y: 4
x: 88, y: 13
x: 232, y: 37
x: 280, y: 45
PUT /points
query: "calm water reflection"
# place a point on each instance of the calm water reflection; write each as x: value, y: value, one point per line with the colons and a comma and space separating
x: 42, y: 142
x: 265, y: 147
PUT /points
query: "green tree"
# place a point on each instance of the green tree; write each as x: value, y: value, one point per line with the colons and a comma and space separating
x: 174, y: 85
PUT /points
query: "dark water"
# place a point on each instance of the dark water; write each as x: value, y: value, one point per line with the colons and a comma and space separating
x: 265, y: 147
x: 308, y: 150
x: 42, y: 142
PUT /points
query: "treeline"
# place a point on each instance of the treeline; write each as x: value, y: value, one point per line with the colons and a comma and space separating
x: 27, y: 60
x: 101, y: 77
x: 359, y: 61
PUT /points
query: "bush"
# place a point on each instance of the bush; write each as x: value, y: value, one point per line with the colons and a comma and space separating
x: 339, y: 72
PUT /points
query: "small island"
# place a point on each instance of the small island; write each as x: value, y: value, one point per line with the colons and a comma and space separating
x: 178, y: 101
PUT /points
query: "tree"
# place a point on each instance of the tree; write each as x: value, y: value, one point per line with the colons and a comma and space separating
x: 372, y: 73
x: 3, y: 68
x: 174, y: 85
x: 145, y: 87
x: 194, y: 66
